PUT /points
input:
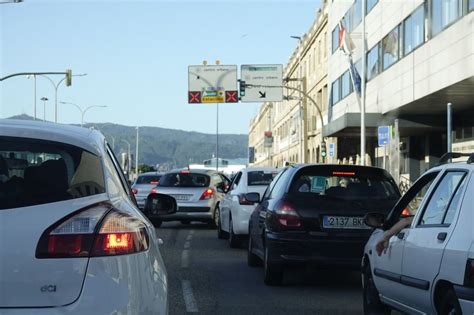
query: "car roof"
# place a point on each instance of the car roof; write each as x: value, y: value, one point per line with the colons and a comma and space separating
x: 88, y: 139
x: 150, y: 174
x: 194, y: 171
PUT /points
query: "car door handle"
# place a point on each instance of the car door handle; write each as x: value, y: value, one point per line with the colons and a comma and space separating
x: 442, y: 236
x: 401, y: 235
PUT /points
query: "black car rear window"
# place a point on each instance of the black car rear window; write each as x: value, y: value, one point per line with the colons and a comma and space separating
x: 260, y: 178
x: 184, y: 180
x: 36, y: 172
x: 345, y: 183
x: 148, y: 179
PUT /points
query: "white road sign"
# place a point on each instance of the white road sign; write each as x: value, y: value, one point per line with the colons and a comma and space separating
x: 212, y: 84
x: 268, y: 77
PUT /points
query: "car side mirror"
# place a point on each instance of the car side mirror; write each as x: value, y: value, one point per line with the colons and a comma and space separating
x: 374, y: 219
x: 160, y: 204
x: 253, y: 197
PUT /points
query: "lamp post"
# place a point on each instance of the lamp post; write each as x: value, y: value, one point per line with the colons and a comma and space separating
x: 44, y: 99
x: 34, y: 94
x: 56, y: 87
x: 128, y: 158
x: 83, y: 111
x: 136, y: 155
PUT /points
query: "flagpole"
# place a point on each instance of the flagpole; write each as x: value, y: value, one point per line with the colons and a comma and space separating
x: 362, y: 107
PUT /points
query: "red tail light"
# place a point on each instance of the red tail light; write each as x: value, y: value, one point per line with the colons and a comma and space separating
x: 406, y: 212
x: 134, y: 191
x: 469, y: 274
x: 96, y: 231
x: 154, y: 191
x: 244, y: 201
x: 286, y: 217
x: 154, y: 183
x: 207, y: 194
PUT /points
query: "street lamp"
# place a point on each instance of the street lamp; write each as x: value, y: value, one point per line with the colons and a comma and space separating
x: 44, y: 99
x: 301, y: 109
x: 34, y: 94
x: 56, y: 87
x: 136, y: 155
x: 129, y: 157
x: 83, y: 111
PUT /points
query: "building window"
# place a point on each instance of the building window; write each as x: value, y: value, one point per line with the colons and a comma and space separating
x: 336, y: 92
x: 370, y: 5
x: 414, y: 30
x: 357, y: 13
x: 345, y: 84
x: 347, y: 20
x: 335, y: 39
x: 443, y: 13
x: 373, y: 62
x: 391, y: 48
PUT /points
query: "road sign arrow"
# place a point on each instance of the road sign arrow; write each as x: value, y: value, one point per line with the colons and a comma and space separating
x: 262, y: 94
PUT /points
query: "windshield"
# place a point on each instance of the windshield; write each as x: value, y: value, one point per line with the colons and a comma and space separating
x: 260, y: 178
x: 184, y: 180
x: 148, y: 179
x: 345, y: 184
x: 38, y: 172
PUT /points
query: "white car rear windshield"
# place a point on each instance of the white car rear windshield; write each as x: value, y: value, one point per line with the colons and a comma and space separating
x: 148, y: 179
x: 184, y: 180
x: 36, y: 172
x: 260, y: 178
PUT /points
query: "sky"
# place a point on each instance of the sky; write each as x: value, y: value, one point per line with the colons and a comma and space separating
x: 136, y: 55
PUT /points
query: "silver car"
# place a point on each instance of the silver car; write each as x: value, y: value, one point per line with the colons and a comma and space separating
x: 143, y: 185
x: 198, y: 193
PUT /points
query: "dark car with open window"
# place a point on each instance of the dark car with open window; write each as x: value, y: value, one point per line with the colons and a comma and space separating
x: 314, y: 214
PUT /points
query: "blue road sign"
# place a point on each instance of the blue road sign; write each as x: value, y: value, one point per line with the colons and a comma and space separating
x: 384, y: 135
x: 331, y: 149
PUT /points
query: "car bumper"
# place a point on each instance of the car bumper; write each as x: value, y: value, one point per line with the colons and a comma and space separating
x: 284, y: 248
x: 137, y: 285
x: 466, y: 298
x: 241, y: 218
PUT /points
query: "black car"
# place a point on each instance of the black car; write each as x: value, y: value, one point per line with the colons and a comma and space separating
x: 314, y: 214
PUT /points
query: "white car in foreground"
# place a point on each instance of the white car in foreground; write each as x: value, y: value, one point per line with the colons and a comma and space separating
x: 235, y: 210
x: 72, y: 240
x: 428, y: 267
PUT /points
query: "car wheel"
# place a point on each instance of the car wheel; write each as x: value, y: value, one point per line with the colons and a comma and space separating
x: 215, y: 218
x: 372, y: 303
x: 450, y: 304
x: 221, y: 234
x: 272, y: 273
x: 156, y: 222
x: 234, y: 240
x: 252, y: 259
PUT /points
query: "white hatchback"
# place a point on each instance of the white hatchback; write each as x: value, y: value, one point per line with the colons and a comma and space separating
x: 428, y: 267
x: 235, y: 210
x: 72, y: 240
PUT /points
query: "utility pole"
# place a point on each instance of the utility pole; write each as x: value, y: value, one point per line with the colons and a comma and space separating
x: 450, y: 127
x: 136, y: 155
x: 362, y: 108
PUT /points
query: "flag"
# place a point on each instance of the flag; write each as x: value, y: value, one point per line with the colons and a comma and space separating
x: 345, y: 40
x: 356, y: 80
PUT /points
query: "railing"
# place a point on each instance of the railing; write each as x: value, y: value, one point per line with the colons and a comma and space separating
x: 404, y: 184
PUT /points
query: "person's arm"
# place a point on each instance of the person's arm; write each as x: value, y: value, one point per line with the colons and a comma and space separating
x: 400, y: 225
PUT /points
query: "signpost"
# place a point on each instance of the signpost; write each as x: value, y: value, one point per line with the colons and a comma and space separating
x: 331, y: 149
x: 383, y: 135
x: 270, y: 76
x: 212, y: 84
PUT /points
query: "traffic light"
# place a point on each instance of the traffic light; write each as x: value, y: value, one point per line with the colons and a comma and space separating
x: 242, y: 88
x: 323, y: 149
x: 68, y: 77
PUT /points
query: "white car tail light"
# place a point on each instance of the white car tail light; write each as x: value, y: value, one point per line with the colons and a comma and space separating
x: 100, y: 230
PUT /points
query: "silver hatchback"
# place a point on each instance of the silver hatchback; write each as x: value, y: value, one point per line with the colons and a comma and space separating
x: 197, y: 192
x: 143, y: 185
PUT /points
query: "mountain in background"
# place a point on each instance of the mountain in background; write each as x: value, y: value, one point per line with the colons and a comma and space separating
x: 173, y: 148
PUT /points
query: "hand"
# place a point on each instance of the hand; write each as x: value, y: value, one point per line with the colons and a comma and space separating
x: 382, y: 245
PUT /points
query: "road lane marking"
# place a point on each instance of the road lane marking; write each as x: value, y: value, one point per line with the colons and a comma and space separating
x: 185, y: 259
x: 187, y: 244
x: 190, y: 237
x: 191, y: 232
x: 191, y: 305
